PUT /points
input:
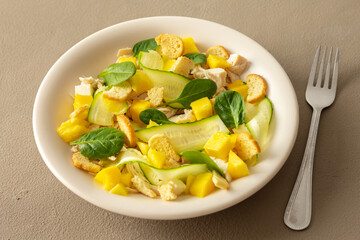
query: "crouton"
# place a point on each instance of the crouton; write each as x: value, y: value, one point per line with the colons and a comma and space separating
x: 156, y: 96
x: 167, y: 191
x: 237, y: 63
x: 168, y: 111
x: 257, y: 88
x: 143, y: 186
x: 161, y: 143
x: 125, y: 52
x: 219, y: 51
x: 246, y: 147
x: 119, y: 92
x: 182, y: 66
x: 126, y: 127
x: 171, y: 46
x: 219, y: 181
x: 85, y: 163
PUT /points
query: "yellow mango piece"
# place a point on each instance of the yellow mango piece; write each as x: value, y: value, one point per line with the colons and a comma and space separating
x: 233, y: 138
x: 189, y: 181
x: 234, y: 84
x: 144, y: 148
x: 152, y: 124
x: 115, y: 106
x: 168, y: 62
x: 125, y: 179
x: 119, y: 189
x: 157, y: 159
x: 217, y: 62
x: 137, y: 107
x: 81, y: 100
x: 128, y: 59
x: 202, y: 185
x: 243, y: 90
x: 140, y: 82
x: 72, y: 129
x: 218, y: 145
x: 202, y: 108
x: 236, y: 166
x: 189, y: 46
x: 108, y: 177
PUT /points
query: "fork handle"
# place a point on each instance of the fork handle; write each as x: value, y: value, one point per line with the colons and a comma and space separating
x: 298, y: 210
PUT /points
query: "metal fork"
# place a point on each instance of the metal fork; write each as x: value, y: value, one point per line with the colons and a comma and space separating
x: 320, y: 94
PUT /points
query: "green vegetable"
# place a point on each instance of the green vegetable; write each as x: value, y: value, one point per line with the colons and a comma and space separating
x: 186, y: 136
x: 230, y: 107
x: 101, y: 143
x: 117, y: 73
x: 152, y: 60
x: 98, y: 112
x: 199, y: 157
x: 144, y: 46
x: 196, y: 57
x: 193, y: 91
x: 153, y: 115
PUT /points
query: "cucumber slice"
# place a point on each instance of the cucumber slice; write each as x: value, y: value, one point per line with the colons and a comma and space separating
x: 250, y: 111
x: 186, y: 136
x: 259, y: 124
x: 151, y: 59
x: 172, y: 83
x: 252, y: 161
x: 99, y: 113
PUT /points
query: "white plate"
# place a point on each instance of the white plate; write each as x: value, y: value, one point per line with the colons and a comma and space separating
x: 93, y: 54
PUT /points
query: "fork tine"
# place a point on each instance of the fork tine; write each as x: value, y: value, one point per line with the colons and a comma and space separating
x: 321, y: 69
x: 327, y: 74
x: 335, y: 72
x: 313, y: 68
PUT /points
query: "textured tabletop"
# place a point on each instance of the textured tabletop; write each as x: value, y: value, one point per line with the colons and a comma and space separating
x: 35, y: 205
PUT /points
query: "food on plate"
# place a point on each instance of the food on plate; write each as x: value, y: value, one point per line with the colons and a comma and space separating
x: 167, y: 120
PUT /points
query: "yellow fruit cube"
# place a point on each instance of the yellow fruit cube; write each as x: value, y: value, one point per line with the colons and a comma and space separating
x: 157, y: 159
x: 125, y: 179
x: 115, y: 106
x: 217, y: 62
x: 152, y: 124
x: 202, y: 108
x: 233, y: 138
x: 218, y: 145
x: 189, y: 181
x: 144, y: 148
x: 243, y: 90
x: 81, y: 100
x: 137, y: 107
x: 72, y: 129
x: 168, y: 62
x: 202, y: 185
x: 108, y: 177
x: 234, y: 84
x: 189, y: 46
x: 140, y: 82
x: 119, y: 189
x: 236, y: 166
x: 128, y: 59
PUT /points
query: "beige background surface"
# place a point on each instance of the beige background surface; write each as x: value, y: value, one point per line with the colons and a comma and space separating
x: 35, y: 205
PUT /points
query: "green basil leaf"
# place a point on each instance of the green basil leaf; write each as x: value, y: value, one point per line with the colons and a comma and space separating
x: 199, y: 157
x: 194, y: 90
x: 153, y: 115
x: 117, y: 73
x: 144, y: 46
x: 196, y: 57
x: 101, y: 143
x: 230, y: 107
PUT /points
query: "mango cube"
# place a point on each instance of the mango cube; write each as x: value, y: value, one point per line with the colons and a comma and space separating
x: 119, y: 189
x: 217, y: 62
x: 140, y: 82
x: 202, y: 185
x: 125, y: 179
x: 233, y: 138
x: 108, y: 177
x: 202, y: 108
x: 168, y: 62
x: 189, y: 46
x: 72, y: 129
x: 127, y: 59
x: 235, y: 84
x: 189, y: 180
x: 115, y: 106
x: 218, y: 145
x: 81, y: 100
x: 236, y: 166
x: 152, y: 124
x: 243, y: 90
x: 157, y: 159
x: 137, y: 107
x: 144, y: 148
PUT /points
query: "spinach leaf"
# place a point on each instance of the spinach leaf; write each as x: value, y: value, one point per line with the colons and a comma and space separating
x: 196, y: 57
x: 144, y: 46
x: 230, y: 107
x: 117, y: 73
x: 101, y: 143
x: 199, y: 157
x: 153, y: 115
x: 194, y: 90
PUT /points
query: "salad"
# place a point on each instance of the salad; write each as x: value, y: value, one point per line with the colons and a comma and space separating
x: 166, y: 119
